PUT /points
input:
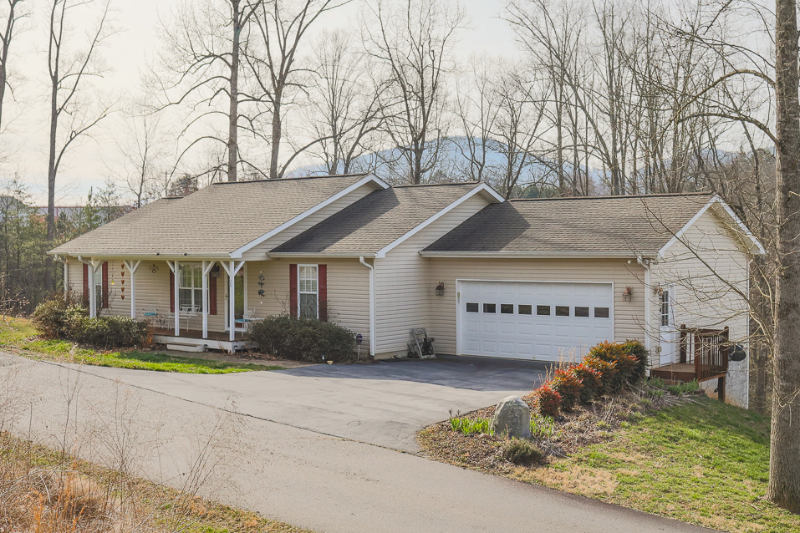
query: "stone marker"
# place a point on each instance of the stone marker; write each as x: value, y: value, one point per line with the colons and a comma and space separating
x: 512, y: 416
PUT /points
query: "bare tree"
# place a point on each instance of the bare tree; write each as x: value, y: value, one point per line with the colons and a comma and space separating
x: 13, y: 14
x: 203, y: 62
x: 414, y: 43
x: 278, y: 73
x: 142, y: 152
x: 69, y: 69
x: 344, y: 110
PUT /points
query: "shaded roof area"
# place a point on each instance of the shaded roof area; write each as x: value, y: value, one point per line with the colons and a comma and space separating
x: 376, y: 220
x: 219, y: 219
x: 597, y: 225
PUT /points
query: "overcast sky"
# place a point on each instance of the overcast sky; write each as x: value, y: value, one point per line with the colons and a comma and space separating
x: 127, y: 54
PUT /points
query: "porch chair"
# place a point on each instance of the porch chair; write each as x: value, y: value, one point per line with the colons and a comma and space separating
x: 248, y: 318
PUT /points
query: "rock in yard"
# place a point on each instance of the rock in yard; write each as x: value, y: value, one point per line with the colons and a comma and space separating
x: 512, y: 416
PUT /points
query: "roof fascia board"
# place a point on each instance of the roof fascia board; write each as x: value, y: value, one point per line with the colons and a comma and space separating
x: 236, y: 254
x: 482, y: 188
x: 714, y: 200
x: 533, y: 255
x: 157, y: 257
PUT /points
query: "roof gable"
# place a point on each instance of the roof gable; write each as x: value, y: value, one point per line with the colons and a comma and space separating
x: 382, y: 220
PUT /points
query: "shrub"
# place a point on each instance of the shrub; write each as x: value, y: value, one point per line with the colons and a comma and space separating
x: 590, y: 378
x: 606, y: 371
x: 54, y: 316
x: 546, y: 401
x: 64, y: 319
x: 567, y: 384
x: 626, y: 366
x: 522, y: 452
x: 639, y: 352
x: 303, y: 339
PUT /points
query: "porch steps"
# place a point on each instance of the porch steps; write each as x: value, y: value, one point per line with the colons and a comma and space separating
x: 186, y: 343
x: 181, y: 347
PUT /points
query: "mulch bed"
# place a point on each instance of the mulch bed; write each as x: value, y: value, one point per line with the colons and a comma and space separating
x: 585, y: 425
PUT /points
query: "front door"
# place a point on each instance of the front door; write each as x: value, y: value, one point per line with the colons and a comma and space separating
x: 669, y: 333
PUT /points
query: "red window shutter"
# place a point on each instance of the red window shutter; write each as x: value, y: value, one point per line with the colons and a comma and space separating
x: 293, y: 309
x: 105, y: 285
x: 212, y: 295
x: 85, y: 285
x: 322, y: 272
x: 171, y: 292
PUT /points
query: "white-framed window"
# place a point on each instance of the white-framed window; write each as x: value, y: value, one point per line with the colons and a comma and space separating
x: 190, y: 289
x: 665, y: 309
x: 308, y: 290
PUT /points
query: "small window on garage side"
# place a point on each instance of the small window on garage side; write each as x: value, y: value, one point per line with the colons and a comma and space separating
x: 525, y: 309
x: 543, y: 310
x: 601, y: 312
x: 507, y: 309
x: 472, y: 307
x: 562, y: 310
x: 489, y: 308
x: 581, y: 311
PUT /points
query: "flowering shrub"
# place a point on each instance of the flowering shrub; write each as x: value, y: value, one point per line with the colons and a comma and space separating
x: 567, y: 384
x: 590, y: 378
x: 546, y: 400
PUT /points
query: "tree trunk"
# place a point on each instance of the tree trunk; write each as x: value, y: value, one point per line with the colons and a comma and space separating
x: 233, y: 111
x: 276, y: 137
x: 51, y: 183
x: 784, y: 464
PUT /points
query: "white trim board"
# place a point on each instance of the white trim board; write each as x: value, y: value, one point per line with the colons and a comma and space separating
x: 237, y: 254
x: 482, y: 188
x: 736, y: 220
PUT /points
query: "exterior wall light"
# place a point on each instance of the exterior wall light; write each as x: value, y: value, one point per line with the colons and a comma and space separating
x: 440, y: 289
x: 627, y: 294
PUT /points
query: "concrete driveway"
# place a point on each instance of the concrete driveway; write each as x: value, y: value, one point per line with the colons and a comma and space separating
x: 383, y: 403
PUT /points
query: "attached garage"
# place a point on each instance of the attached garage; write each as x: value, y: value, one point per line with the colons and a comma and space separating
x: 545, y: 321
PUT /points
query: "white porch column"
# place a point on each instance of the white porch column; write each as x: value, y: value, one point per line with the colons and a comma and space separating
x: 94, y: 264
x: 207, y: 266
x: 176, y: 272
x: 132, y: 268
x: 232, y: 269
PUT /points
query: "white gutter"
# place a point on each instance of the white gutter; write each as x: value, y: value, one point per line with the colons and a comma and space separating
x: 320, y: 255
x: 371, y: 305
x: 647, y: 317
x: 531, y: 255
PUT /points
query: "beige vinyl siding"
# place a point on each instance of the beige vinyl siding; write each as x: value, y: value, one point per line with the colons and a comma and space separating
x: 628, y: 316
x: 348, y: 290
x: 258, y: 251
x: 402, y: 283
x: 707, y: 269
x: 75, y: 276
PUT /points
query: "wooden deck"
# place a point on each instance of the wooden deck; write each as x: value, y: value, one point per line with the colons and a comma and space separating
x: 676, y: 372
x: 197, y: 334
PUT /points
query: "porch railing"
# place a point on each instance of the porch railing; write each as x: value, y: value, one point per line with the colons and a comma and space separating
x: 707, y: 349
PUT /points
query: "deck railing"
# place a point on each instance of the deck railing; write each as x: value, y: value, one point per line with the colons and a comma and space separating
x: 708, y: 349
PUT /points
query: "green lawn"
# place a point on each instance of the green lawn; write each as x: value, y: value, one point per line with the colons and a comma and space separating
x: 20, y: 336
x: 704, y: 462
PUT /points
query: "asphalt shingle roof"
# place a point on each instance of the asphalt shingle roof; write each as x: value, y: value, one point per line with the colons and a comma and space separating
x: 218, y: 219
x: 640, y: 224
x: 376, y: 220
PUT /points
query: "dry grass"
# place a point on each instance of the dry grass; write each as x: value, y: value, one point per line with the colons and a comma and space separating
x: 44, y: 491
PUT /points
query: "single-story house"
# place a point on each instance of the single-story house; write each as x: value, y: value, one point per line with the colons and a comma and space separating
x: 541, y: 279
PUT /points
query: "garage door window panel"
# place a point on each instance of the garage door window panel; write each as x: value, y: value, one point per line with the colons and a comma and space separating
x: 602, y: 312
x: 581, y: 311
x: 490, y: 308
x: 562, y: 310
x: 472, y: 308
x: 525, y: 309
x: 507, y: 309
x: 543, y: 310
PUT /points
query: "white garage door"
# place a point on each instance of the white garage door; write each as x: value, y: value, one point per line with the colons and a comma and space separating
x: 533, y: 320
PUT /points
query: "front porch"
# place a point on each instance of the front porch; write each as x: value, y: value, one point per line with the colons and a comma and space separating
x: 213, y: 340
x: 704, y: 355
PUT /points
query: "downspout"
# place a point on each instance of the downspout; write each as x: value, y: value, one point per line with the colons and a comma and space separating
x: 371, y: 305
x: 647, y: 317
